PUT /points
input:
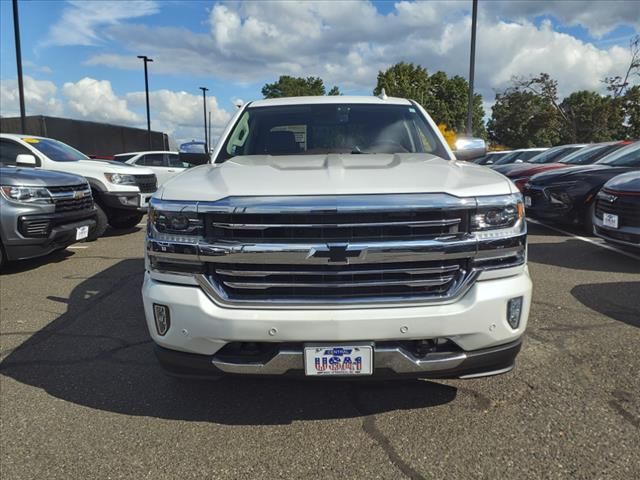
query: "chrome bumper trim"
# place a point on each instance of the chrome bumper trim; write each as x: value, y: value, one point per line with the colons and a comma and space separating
x: 392, y: 358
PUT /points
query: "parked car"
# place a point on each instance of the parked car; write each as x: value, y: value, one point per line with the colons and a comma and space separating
x: 586, y: 155
x: 518, y: 156
x: 568, y: 195
x: 491, y: 157
x: 337, y: 235
x: 617, y: 213
x: 165, y: 165
x: 121, y: 192
x: 553, y: 154
x: 42, y: 211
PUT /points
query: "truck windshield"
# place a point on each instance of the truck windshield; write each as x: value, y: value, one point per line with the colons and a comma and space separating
x: 331, y: 128
x: 55, y: 150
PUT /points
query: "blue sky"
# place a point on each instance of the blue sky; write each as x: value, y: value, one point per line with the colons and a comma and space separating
x: 81, y: 57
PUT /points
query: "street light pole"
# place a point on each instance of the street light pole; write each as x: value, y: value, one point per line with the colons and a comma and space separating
x: 16, y: 31
x: 204, y: 105
x: 146, y: 60
x: 472, y: 66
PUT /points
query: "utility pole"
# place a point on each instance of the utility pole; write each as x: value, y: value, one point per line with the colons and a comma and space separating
x: 16, y: 31
x: 472, y: 66
x: 209, y: 138
x: 204, y: 105
x: 146, y: 60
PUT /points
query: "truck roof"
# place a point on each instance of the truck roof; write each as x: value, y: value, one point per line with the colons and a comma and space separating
x: 329, y: 99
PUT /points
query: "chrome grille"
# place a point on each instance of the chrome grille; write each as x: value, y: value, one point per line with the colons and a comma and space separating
x: 286, y: 282
x: 335, y: 227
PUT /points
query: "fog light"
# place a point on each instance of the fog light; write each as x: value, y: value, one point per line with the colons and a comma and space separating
x: 162, y: 318
x: 514, y: 309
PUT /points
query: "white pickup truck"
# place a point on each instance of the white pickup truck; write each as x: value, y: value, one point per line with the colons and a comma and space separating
x: 121, y: 192
x: 337, y: 236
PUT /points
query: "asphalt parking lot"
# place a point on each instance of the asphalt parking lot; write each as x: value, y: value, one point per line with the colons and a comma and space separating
x: 82, y: 396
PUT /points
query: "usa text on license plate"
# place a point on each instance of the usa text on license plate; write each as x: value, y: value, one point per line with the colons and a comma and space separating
x: 610, y: 220
x: 338, y: 360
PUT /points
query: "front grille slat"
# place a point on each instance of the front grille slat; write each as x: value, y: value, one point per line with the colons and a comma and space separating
x: 354, y: 284
x: 71, y: 198
x: 391, y: 269
x: 146, y: 183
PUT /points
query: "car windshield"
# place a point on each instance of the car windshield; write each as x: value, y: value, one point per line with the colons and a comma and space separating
x: 589, y: 155
x: 628, y: 156
x: 331, y: 128
x: 55, y: 150
x: 554, y: 154
x: 517, y: 155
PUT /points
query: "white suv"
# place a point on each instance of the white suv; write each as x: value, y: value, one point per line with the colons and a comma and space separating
x: 164, y: 164
x: 121, y: 192
x: 337, y: 236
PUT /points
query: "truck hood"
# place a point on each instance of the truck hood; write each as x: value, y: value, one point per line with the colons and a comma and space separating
x: 35, y: 177
x: 334, y: 174
x: 109, y: 166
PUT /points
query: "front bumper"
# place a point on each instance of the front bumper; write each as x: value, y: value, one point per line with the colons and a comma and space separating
x: 628, y: 236
x: 477, y: 321
x: 388, y: 361
x: 133, y: 201
x: 60, y: 236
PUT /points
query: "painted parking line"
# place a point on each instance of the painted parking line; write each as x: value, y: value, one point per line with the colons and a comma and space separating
x: 599, y: 243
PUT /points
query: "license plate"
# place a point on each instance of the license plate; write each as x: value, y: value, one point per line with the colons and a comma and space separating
x: 610, y: 220
x: 527, y: 201
x: 343, y: 360
x: 82, y: 232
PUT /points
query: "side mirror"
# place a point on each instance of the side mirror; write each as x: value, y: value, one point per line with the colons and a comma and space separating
x: 518, y: 161
x: 26, y: 160
x: 468, y: 148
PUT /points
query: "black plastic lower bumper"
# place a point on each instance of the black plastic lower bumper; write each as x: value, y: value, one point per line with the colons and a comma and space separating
x: 477, y: 363
x: 59, y: 237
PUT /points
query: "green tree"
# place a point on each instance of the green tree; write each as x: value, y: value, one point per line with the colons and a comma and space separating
x: 287, y: 86
x: 592, y: 117
x: 522, y: 119
x: 444, y: 98
x: 631, y: 111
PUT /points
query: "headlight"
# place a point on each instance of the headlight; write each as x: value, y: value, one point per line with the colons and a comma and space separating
x: 24, y: 194
x: 120, y: 179
x: 498, y: 212
x: 175, y: 221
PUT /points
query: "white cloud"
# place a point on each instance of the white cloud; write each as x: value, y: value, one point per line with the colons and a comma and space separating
x: 598, y: 18
x: 80, y: 20
x: 347, y: 43
x: 95, y: 100
x: 39, y: 95
x: 180, y: 114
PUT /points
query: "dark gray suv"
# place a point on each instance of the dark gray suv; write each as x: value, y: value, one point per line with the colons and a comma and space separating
x: 42, y: 211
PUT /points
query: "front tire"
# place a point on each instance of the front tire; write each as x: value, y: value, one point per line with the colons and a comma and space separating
x: 125, y: 222
x: 102, y: 221
x: 588, y: 219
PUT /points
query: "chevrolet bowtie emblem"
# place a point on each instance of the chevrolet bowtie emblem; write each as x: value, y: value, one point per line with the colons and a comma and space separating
x: 78, y: 195
x: 335, y: 253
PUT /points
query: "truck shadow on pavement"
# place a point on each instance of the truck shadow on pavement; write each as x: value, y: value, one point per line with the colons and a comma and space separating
x: 98, y: 354
x: 617, y: 300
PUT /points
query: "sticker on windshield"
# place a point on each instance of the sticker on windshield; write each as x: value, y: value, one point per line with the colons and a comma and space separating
x: 412, y: 110
x: 31, y: 140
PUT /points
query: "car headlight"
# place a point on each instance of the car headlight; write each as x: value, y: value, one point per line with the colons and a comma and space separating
x: 24, y: 194
x: 120, y: 179
x: 175, y: 221
x: 498, y: 213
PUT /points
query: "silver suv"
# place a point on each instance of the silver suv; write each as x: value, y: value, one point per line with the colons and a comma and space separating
x: 42, y: 211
